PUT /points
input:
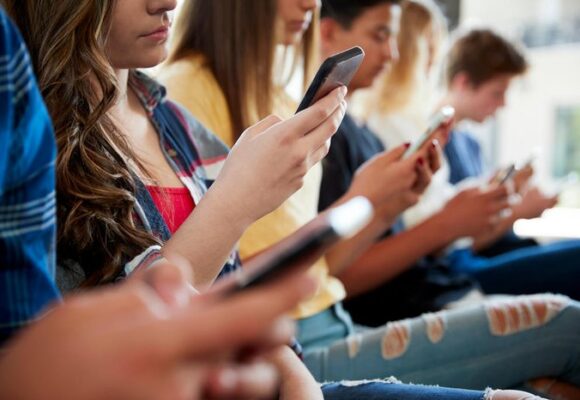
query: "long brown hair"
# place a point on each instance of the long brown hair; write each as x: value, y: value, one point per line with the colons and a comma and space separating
x: 238, y: 41
x: 95, y: 185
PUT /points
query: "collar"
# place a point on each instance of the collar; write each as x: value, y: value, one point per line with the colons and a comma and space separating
x: 150, y: 92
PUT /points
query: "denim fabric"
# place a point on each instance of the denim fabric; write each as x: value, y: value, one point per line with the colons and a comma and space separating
x: 552, y: 268
x: 464, y: 348
x: 396, y: 391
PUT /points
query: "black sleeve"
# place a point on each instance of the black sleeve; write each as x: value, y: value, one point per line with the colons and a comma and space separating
x: 337, y: 172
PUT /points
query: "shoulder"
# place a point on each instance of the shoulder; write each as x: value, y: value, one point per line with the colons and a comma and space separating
x: 188, y: 77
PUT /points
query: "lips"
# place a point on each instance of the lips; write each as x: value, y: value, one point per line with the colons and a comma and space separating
x: 160, y: 33
x: 298, y: 25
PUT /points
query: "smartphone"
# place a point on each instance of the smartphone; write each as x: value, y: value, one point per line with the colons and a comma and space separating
x: 307, y: 244
x: 505, y: 175
x: 335, y: 71
x: 444, y: 115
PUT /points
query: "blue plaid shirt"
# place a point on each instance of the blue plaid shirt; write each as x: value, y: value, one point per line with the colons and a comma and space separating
x: 27, y: 196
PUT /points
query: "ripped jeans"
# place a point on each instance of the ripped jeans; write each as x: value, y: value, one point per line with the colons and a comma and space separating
x: 499, y: 343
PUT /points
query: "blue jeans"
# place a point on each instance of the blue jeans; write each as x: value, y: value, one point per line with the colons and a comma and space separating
x: 552, y: 268
x: 501, y: 344
x: 396, y: 391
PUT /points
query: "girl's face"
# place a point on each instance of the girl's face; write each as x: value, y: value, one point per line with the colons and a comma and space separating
x: 139, y: 33
x: 294, y: 18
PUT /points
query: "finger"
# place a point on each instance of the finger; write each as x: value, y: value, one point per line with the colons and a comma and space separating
x: 326, y: 129
x: 170, y: 280
x: 262, y: 126
x: 434, y: 154
x: 253, y: 381
x: 423, y: 175
x: 238, y: 320
x: 307, y: 120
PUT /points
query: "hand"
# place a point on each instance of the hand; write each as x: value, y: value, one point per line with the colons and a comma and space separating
x: 126, y: 343
x: 474, y: 212
x: 269, y: 161
x: 391, y: 183
x: 533, y: 204
x: 522, y: 178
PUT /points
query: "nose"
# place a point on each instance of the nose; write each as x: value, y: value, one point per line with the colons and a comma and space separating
x: 309, y: 5
x: 161, y: 6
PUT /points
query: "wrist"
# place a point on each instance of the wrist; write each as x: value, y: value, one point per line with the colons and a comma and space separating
x: 447, y: 227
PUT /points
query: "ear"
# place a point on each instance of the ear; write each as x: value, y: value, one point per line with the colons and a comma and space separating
x: 329, y: 30
x: 461, y: 82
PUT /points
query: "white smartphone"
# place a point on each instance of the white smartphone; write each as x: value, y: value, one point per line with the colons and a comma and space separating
x: 308, y: 243
x: 505, y: 174
x: 444, y: 115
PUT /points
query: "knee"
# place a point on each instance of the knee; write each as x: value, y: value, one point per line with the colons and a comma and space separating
x: 513, y: 315
x: 510, y: 395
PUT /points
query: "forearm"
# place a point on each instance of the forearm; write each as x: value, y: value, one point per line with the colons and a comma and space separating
x: 297, y: 383
x: 392, y: 256
x: 207, y: 237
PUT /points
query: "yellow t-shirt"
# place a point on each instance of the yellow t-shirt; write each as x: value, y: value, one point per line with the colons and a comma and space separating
x: 193, y: 85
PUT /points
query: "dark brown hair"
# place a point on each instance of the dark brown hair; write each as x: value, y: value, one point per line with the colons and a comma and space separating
x: 95, y: 185
x: 483, y: 55
x: 238, y: 40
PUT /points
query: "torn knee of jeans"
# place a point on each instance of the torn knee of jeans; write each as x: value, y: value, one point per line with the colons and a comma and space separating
x: 513, y: 315
x: 354, y: 343
x: 491, y: 394
x: 396, y: 339
x: 390, y: 379
x: 435, y: 325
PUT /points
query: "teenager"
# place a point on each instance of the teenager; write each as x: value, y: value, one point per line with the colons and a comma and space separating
x: 182, y: 86
x: 180, y: 365
x: 413, y: 349
x: 476, y: 86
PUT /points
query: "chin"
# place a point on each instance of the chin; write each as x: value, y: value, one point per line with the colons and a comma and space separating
x: 152, y: 61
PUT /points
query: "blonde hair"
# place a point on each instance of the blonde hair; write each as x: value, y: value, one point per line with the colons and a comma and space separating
x: 238, y: 41
x: 422, y: 24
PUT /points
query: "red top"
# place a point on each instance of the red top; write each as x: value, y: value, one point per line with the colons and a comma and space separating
x: 174, y: 204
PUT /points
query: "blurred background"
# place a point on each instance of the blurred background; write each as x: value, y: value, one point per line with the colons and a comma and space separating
x: 542, y: 116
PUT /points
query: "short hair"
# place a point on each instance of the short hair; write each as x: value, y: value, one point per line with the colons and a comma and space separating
x: 345, y: 12
x: 483, y: 55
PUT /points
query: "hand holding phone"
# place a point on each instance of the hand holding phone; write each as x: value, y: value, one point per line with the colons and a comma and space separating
x: 335, y: 71
x: 443, y: 116
x: 306, y: 245
x: 504, y: 175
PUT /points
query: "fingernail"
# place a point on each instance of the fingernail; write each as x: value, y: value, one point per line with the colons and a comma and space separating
x: 343, y: 90
x: 407, y: 145
x: 434, y: 143
x: 420, y: 161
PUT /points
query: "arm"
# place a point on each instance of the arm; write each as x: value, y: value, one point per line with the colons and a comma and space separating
x: 27, y: 195
x: 390, y: 257
x: 265, y: 166
x: 407, y: 180
x: 470, y: 212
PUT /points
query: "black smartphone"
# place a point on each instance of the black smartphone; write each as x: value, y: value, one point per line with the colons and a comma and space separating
x: 335, y: 71
x: 306, y: 245
x: 444, y: 115
x: 505, y: 175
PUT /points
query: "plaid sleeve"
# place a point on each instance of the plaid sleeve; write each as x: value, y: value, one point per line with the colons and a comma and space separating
x: 27, y: 195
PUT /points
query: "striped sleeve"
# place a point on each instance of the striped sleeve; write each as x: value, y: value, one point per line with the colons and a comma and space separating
x: 27, y: 195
